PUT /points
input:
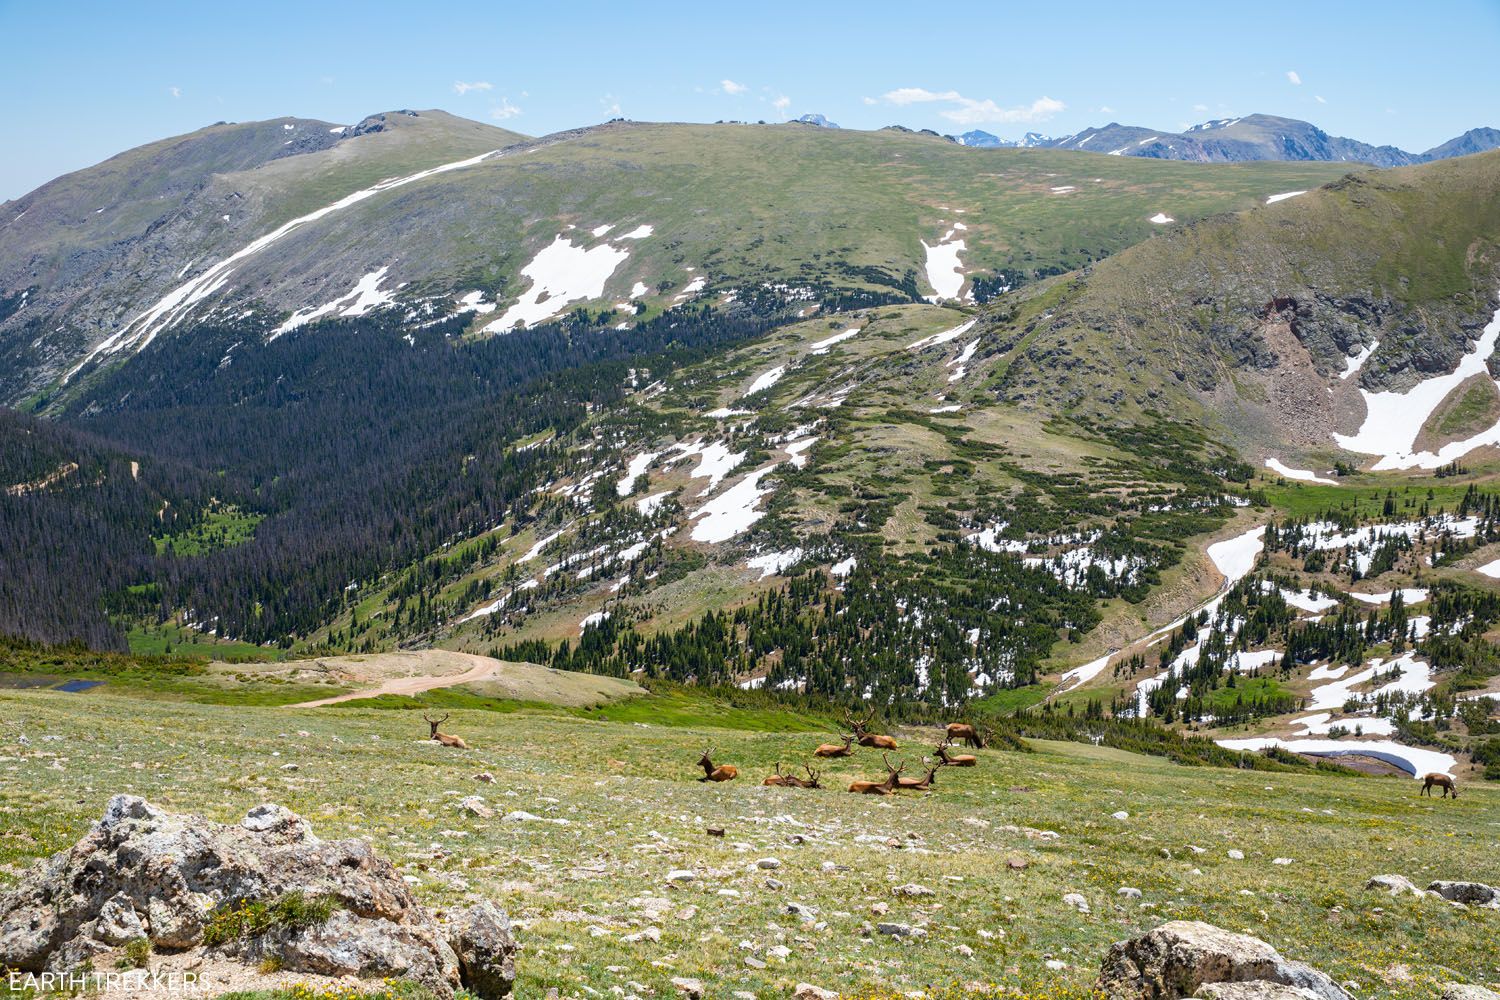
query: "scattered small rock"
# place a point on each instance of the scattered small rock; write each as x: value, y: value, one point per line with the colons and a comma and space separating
x: 690, y: 988
x: 1129, y: 892
x: 1183, y: 957
x: 1471, y: 893
x: 768, y: 864
x: 911, y: 890
x: 807, y: 991
x: 1076, y: 901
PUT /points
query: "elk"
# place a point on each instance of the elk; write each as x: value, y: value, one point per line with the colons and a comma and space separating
x: 956, y: 760
x: 920, y: 783
x: 726, y: 772
x: 455, y: 742
x: 1442, y: 781
x: 834, y: 749
x: 811, y: 781
x: 867, y: 738
x: 886, y: 787
x: 778, y: 780
x: 971, y: 735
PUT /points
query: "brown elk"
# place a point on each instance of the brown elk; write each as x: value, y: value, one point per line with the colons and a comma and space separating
x: 726, y: 772
x: 920, y: 783
x: 867, y: 738
x: 455, y: 742
x: 1442, y: 781
x: 835, y: 749
x: 972, y: 735
x: 811, y: 781
x: 955, y: 759
x: 886, y: 787
x: 778, y: 780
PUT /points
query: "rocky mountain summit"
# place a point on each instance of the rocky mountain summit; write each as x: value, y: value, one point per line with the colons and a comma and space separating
x: 265, y: 893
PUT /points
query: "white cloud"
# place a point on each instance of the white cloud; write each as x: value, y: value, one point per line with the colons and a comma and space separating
x: 730, y: 87
x: 1292, y: 76
x: 968, y: 111
x: 611, y: 105
x: 460, y: 88
x: 1105, y: 109
x: 1200, y: 107
x: 504, y: 110
x: 175, y: 91
x: 869, y: 100
x: 782, y: 103
x: 1320, y: 99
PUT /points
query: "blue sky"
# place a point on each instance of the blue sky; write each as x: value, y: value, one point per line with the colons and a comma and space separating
x: 81, y: 81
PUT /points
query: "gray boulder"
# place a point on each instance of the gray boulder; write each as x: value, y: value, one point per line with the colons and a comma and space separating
x: 1179, y: 958
x: 1472, y: 893
x: 1461, y: 991
x: 143, y: 872
x: 480, y: 936
x: 1395, y: 885
x: 1256, y: 990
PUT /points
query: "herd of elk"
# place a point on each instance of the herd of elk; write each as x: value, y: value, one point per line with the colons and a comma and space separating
x: 446, y: 740
x: 893, y: 780
x: 726, y: 772
x: 1442, y: 781
x: 867, y: 738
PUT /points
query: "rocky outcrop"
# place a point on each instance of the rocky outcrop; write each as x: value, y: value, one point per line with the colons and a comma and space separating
x: 1187, y: 958
x: 1471, y: 893
x: 264, y: 888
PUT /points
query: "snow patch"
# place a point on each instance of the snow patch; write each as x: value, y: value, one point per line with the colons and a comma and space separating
x: 1393, y: 420
x: 1283, y: 196
x: 942, y: 338
x: 1161, y: 218
x: 1274, y: 464
x: 560, y: 273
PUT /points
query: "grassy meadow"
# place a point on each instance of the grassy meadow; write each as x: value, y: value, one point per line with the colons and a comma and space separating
x: 616, y: 808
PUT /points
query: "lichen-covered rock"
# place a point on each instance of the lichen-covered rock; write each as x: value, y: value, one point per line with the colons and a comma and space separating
x: 1472, y: 893
x: 480, y: 936
x: 1257, y: 990
x: 1396, y: 885
x: 1179, y: 958
x: 143, y: 872
x: 1463, y: 991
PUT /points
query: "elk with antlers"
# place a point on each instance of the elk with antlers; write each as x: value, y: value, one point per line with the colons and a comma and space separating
x: 921, y: 784
x: 811, y: 781
x: 867, y: 738
x: 972, y: 735
x: 834, y: 749
x: 886, y: 787
x: 726, y: 772
x: 778, y: 780
x: 1442, y: 781
x: 446, y: 740
x: 955, y: 759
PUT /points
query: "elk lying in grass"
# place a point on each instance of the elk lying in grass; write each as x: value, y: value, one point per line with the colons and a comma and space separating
x: 920, y: 783
x: 867, y: 738
x: 726, y: 772
x: 886, y: 787
x: 811, y: 781
x: 955, y: 759
x: 835, y: 749
x: 1442, y: 781
x: 972, y: 735
x: 448, y: 741
x: 780, y: 780
x: 777, y: 780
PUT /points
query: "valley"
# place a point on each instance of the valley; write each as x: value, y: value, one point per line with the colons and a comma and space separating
x: 630, y: 451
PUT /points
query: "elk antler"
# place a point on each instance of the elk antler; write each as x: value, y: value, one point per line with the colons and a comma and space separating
x: 888, y: 767
x: 435, y: 722
x: 811, y: 774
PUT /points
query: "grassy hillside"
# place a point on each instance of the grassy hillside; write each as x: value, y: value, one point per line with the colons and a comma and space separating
x: 1252, y: 317
x: 617, y: 808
